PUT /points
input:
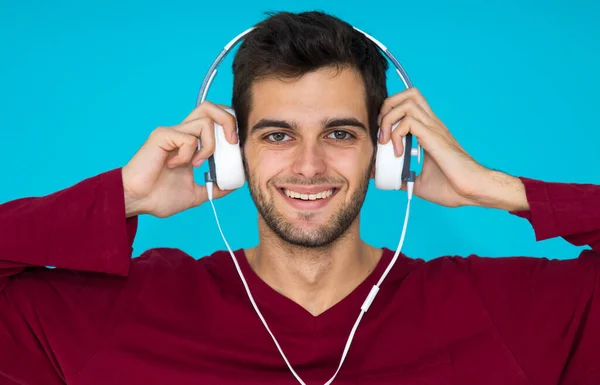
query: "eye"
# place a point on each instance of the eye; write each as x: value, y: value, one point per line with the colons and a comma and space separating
x: 340, y: 135
x: 276, y: 137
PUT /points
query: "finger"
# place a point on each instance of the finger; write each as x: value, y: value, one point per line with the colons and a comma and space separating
x: 407, y: 125
x: 201, y: 193
x: 201, y: 128
x: 199, y: 111
x: 207, y: 142
x: 194, y: 127
x: 407, y: 108
x: 180, y: 146
x: 410, y: 93
x: 218, y: 115
x: 185, y: 152
x: 416, y: 185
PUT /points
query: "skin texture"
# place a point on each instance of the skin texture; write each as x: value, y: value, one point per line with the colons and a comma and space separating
x: 315, y: 257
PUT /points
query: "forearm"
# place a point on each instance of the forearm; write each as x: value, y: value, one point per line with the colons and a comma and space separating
x: 501, y: 191
x: 568, y: 210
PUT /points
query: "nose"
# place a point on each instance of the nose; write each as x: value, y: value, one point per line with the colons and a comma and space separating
x: 309, y: 160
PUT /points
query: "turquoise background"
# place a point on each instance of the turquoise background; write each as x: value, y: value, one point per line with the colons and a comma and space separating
x: 84, y: 83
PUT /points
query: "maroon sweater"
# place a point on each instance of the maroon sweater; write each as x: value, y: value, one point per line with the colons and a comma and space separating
x: 103, y: 317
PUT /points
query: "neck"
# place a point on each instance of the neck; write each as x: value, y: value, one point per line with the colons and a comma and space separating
x: 315, y: 278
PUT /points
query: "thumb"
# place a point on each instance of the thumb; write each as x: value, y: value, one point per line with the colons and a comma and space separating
x: 404, y: 186
x: 201, y: 193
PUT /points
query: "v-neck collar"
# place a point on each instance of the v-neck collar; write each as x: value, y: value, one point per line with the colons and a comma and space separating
x: 279, y: 309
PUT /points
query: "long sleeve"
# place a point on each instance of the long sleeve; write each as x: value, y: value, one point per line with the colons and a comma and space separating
x: 546, y: 310
x: 82, y: 227
x: 567, y: 210
x: 53, y: 320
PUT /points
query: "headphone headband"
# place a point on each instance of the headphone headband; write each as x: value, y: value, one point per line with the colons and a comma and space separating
x: 212, y: 71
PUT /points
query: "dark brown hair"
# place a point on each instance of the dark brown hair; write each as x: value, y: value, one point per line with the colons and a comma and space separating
x: 289, y: 45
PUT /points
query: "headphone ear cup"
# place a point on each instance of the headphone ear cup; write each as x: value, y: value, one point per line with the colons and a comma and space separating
x: 228, y: 165
x: 388, y: 167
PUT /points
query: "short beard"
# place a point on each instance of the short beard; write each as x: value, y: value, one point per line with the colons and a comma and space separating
x: 316, y: 238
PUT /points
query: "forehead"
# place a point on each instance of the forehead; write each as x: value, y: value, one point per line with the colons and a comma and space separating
x: 316, y: 95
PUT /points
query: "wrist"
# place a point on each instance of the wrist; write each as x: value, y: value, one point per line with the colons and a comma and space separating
x: 502, y: 191
x: 133, y: 205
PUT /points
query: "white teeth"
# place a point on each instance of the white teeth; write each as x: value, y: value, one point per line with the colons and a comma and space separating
x: 311, y: 197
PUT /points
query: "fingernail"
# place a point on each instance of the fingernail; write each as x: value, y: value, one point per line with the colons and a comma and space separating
x: 397, y: 150
x: 234, y: 137
x: 198, y: 162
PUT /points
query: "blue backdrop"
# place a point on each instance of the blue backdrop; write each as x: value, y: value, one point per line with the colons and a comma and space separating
x: 84, y: 82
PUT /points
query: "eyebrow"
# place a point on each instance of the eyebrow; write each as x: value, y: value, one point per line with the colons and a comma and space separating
x: 328, y: 123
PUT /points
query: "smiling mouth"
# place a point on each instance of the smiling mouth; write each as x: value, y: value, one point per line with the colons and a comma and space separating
x: 321, y: 195
x: 302, y: 201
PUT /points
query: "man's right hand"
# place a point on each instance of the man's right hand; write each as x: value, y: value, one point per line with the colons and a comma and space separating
x: 159, y: 179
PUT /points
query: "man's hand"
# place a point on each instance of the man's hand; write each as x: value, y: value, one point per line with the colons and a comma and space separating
x: 159, y: 179
x: 450, y: 177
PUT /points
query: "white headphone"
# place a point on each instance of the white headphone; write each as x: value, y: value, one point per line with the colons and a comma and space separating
x: 227, y: 171
x: 225, y: 165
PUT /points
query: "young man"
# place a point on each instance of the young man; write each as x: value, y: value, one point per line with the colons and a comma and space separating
x: 309, y: 94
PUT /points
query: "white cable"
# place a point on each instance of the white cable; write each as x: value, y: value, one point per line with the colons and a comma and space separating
x: 385, y: 273
x: 209, y: 187
x: 375, y: 289
x: 364, y: 307
x: 209, y: 190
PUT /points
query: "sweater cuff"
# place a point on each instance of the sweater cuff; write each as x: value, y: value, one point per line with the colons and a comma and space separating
x: 125, y: 228
x: 540, y: 213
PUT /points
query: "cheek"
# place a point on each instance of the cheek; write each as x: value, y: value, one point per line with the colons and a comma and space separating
x: 265, y: 164
x: 349, y: 164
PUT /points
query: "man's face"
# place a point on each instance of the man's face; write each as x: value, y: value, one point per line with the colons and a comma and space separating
x: 308, y: 154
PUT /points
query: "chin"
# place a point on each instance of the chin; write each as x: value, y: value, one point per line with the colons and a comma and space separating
x: 309, y: 221
x: 312, y: 223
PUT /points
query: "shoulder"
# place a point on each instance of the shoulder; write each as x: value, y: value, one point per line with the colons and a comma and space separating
x: 501, y: 272
x: 165, y: 260
x: 518, y: 277
x: 474, y: 263
x: 586, y: 264
x: 175, y: 266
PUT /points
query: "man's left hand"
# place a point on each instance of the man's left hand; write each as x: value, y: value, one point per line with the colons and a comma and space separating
x: 450, y: 176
